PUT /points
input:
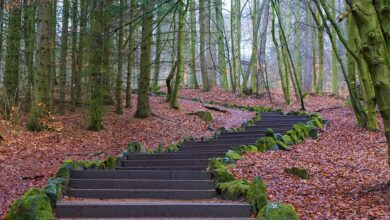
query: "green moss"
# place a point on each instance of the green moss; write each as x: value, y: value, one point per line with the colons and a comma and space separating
x: 316, y: 122
x: 301, y: 131
x: 220, y: 170
x: 205, y: 116
x: 248, y: 148
x: 296, y: 171
x: 233, y: 155
x: 269, y: 132
x: 282, y: 146
x: 287, y: 139
x: 135, y: 147
x: 277, y: 211
x: 313, y: 133
x: 293, y: 136
x: 233, y: 189
x: 266, y: 143
x: 55, y: 189
x: 257, y: 194
x: 172, y: 148
x: 34, y: 204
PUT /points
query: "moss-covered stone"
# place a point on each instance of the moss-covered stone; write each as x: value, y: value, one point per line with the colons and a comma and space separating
x: 277, y: 211
x: 172, y: 148
x: 313, y: 133
x: 301, y: 131
x: 220, y: 170
x: 316, y: 122
x: 282, y: 146
x: 287, y: 139
x: 55, y: 189
x: 205, y: 116
x: 34, y: 204
x: 248, y: 148
x: 233, y: 189
x: 135, y: 147
x: 299, y: 172
x: 269, y: 132
x: 257, y: 194
x: 293, y: 136
x: 266, y: 143
x: 233, y: 155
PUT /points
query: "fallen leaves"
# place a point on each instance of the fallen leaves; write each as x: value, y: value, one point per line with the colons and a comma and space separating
x: 27, y: 159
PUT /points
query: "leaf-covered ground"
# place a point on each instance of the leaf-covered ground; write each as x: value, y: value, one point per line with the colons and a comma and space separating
x: 347, y: 165
x: 28, y: 159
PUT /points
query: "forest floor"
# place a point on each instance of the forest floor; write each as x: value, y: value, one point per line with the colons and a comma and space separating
x: 347, y: 164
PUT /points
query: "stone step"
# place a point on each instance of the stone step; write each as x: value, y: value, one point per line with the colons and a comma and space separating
x: 264, y: 114
x: 187, y: 168
x: 163, y: 156
x: 140, y: 184
x: 271, y: 125
x: 284, y: 117
x: 276, y: 120
x: 228, y: 141
x: 150, y: 209
x: 142, y: 194
x: 141, y: 174
x: 160, y: 218
x: 169, y: 162
x: 276, y: 130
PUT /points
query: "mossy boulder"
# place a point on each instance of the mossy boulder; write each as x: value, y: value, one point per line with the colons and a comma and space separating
x: 220, y: 170
x: 257, y: 194
x: 312, y: 131
x: 204, y: 115
x: 287, y: 139
x: 277, y: 211
x: 299, y: 172
x: 248, y: 148
x: 266, y: 143
x: 172, y: 148
x: 233, y: 189
x: 233, y: 155
x: 293, y: 136
x: 269, y: 132
x: 282, y: 146
x: 135, y: 147
x: 301, y: 131
x: 34, y: 204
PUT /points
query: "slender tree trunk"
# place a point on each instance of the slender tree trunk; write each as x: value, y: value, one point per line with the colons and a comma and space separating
x: 77, y: 75
x: 202, y: 49
x: 158, y: 55
x: 42, y: 73
x: 131, y: 56
x: 12, y: 69
x: 29, y: 44
x: 52, y: 66
x: 221, y: 45
x: 308, y: 54
x: 118, y: 86
x: 282, y: 73
x: 321, y: 52
x: 107, y: 51
x: 335, y: 69
x: 194, y: 80
x: 180, y: 56
x: 143, y: 105
x: 64, y: 53
x: 262, y: 55
x: 76, y: 62
x: 1, y: 31
x: 96, y: 67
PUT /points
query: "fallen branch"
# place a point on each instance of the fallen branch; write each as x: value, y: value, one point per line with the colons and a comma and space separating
x: 331, y: 108
x: 215, y: 108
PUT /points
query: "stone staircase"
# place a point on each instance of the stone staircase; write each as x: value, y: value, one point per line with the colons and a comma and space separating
x: 167, y: 185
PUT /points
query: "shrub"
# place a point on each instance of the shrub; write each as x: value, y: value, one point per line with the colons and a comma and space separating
x: 135, y: 147
x: 233, y: 155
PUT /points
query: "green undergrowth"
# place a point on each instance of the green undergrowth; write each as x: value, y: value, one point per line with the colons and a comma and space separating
x: 255, y: 191
x: 299, y: 172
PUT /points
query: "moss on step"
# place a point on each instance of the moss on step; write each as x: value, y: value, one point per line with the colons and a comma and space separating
x: 233, y: 155
x: 282, y: 146
x: 204, y: 115
x: 34, y: 204
x: 277, y: 211
x: 135, y: 147
x: 233, y: 189
x: 266, y: 143
x: 220, y: 171
x: 299, y: 172
x: 269, y: 132
x: 257, y: 194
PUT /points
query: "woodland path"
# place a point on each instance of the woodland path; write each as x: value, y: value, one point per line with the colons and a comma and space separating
x: 167, y: 185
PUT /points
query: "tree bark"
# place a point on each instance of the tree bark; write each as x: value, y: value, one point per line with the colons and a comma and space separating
x: 64, y: 53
